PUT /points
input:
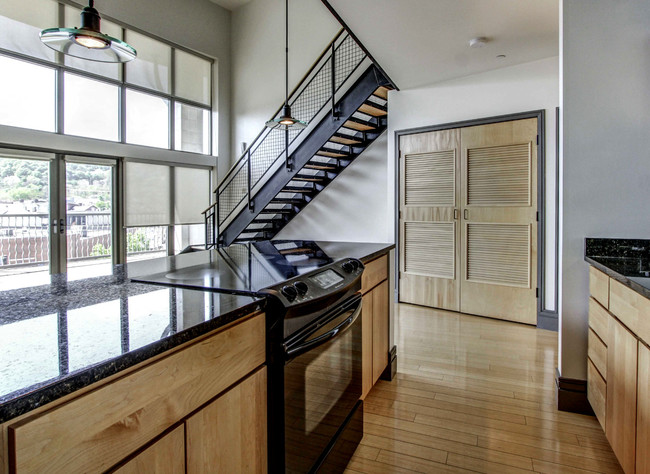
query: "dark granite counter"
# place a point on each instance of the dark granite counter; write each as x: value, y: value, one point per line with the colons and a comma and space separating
x: 61, y: 337
x: 64, y: 336
x: 625, y: 260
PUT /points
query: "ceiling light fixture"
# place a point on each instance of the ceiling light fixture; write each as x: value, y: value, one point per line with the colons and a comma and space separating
x: 478, y: 42
x: 285, y: 121
x: 88, y: 42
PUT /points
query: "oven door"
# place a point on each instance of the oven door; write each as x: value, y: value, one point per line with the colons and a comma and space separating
x: 322, y: 386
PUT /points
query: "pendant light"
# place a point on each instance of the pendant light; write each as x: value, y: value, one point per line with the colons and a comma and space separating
x: 285, y: 121
x: 88, y: 42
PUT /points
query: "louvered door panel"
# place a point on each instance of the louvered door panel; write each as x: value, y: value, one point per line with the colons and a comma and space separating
x: 430, y: 179
x: 499, y: 175
x: 429, y: 235
x: 499, y: 231
x: 430, y: 249
x: 498, y: 254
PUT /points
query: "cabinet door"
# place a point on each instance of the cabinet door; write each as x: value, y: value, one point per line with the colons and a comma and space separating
x: 643, y: 412
x: 621, y: 394
x: 366, y: 344
x: 229, y: 435
x: 379, y: 330
x: 165, y: 456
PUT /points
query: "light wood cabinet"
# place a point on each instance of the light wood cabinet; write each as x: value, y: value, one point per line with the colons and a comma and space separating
x: 374, y: 314
x: 97, y: 430
x: 165, y: 456
x: 618, y: 368
x: 229, y: 435
x: 643, y: 411
x: 621, y: 393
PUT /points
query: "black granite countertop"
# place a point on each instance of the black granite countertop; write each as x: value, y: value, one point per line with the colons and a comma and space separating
x: 625, y: 260
x: 66, y: 335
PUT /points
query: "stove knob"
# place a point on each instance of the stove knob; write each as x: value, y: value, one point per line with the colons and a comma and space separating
x: 348, y: 266
x: 289, y: 292
x: 301, y: 287
x: 355, y: 264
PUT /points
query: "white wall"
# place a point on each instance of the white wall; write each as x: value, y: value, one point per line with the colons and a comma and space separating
x: 521, y: 88
x: 353, y: 207
x: 258, y: 58
x: 606, y: 162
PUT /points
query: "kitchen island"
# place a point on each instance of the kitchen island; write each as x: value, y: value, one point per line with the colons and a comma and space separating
x: 618, y: 362
x: 120, y: 368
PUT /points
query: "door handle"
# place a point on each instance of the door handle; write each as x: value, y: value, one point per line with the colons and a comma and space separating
x: 466, y: 214
x: 455, y: 214
x: 62, y: 226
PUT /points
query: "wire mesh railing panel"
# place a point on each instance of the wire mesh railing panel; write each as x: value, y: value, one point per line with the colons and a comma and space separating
x: 347, y: 57
x: 305, y: 105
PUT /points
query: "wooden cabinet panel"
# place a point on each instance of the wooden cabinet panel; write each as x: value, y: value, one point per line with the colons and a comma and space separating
x: 598, y: 353
x: 99, y: 429
x: 599, y: 286
x: 643, y: 412
x: 598, y: 319
x: 165, y: 456
x: 229, y: 435
x: 375, y: 272
x: 631, y: 308
x: 379, y: 330
x: 621, y: 393
x: 597, y: 393
x: 366, y: 344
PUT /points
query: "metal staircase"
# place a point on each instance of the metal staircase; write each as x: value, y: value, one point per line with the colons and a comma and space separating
x: 344, y: 99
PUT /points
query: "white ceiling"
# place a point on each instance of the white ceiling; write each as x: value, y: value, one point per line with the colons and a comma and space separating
x: 230, y: 4
x: 421, y: 42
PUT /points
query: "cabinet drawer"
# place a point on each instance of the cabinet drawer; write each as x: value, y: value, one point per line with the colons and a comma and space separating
x: 599, y: 286
x: 599, y: 319
x: 100, y: 428
x: 597, y: 393
x: 375, y: 272
x: 598, y: 353
x: 631, y: 309
x: 165, y: 456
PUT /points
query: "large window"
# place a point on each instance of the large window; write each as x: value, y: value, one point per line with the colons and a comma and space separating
x: 166, y: 92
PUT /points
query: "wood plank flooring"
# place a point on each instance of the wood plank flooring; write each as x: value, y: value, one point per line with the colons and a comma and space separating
x: 474, y: 395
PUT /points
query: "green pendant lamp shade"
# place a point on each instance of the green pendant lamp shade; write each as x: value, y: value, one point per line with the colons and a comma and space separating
x: 286, y: 121
x: 88, y: 42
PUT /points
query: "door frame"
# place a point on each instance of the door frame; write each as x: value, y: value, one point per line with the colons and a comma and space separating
x: 546, y: 319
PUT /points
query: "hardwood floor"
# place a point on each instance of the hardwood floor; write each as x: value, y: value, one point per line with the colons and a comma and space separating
x: 474, y: 395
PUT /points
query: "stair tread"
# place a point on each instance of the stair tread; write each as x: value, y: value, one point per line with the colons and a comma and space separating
x: 311, y: 179
x: 381, y: 92
x: 277, y: 211
x: 360, y: 125
x: 332, y: 153
x: 287, y: 201
x: 375, y: 110
x: 297, y: 189
x: 345, y: 139
x: 321, y: 167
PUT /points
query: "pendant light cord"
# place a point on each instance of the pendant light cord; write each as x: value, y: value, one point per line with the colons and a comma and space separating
x: 286, y: 52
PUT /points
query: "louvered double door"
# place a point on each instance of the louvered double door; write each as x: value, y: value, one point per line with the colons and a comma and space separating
x: 468, y: 203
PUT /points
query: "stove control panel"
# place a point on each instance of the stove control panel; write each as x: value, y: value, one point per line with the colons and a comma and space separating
x: 318, y: 283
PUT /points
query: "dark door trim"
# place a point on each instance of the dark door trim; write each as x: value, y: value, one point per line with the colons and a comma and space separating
x: 546, y: 319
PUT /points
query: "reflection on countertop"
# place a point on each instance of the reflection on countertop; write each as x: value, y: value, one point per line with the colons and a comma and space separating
x: 60, y: 337
x: 625, y: 260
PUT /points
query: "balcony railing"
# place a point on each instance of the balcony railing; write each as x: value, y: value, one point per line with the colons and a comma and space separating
x: 24, y: 238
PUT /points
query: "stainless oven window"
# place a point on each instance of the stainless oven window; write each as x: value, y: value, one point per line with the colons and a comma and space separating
x: 322, y: 387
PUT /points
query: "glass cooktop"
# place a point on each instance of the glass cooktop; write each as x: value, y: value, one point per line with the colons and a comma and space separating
x: 239, y: 268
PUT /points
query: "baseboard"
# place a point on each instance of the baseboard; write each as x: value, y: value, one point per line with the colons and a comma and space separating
x: 391, y: 369
x: 572, y: 395
x: 547, y: 320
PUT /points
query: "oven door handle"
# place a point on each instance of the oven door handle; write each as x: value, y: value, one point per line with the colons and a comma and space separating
x: 322, y: 339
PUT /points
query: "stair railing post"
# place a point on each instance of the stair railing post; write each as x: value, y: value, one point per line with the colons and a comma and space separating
x: 335, y: 114
x: 215, y: 223
x: 250, y: 175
